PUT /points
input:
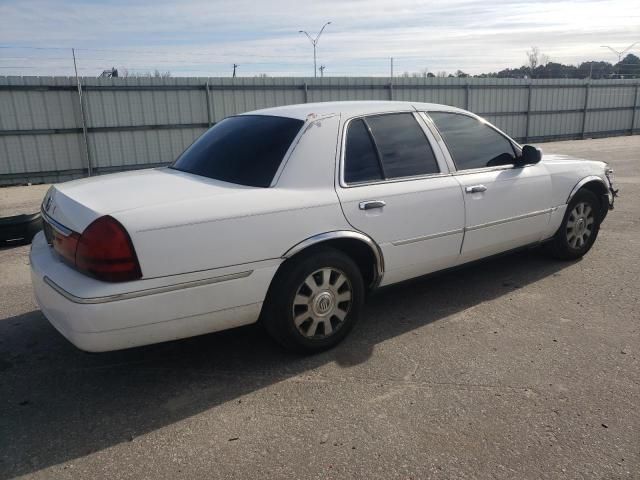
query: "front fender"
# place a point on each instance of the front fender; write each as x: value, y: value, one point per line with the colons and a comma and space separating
x: 584, y: 181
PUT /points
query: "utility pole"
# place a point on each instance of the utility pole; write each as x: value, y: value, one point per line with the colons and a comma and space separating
x: 314, y: 42
x: 321, y: 68
x: 235, y: 65
x: 83, y: 116
x: 391, y: 67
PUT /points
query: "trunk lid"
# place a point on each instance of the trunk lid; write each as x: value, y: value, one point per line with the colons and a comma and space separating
x: 77, y: 203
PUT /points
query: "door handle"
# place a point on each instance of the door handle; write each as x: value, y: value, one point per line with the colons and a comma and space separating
x: 475, y: 189
x: 369, y: 204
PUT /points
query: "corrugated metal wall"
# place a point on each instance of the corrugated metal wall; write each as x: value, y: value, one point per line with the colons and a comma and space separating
x: 138, y: 122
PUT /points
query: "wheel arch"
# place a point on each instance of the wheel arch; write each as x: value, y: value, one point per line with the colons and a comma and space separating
x: 357, y: 245
x: 596, y: 185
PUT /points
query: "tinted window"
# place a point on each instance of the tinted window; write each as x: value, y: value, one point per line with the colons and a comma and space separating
x: 246, y: 149
x: 471, y: 143
x: 361, y: 159
x: 403, y: 145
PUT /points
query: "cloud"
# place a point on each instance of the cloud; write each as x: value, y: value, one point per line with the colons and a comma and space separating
x: 198, y: 37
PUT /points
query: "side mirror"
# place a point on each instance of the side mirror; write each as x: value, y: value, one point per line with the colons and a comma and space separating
x: 530, y: 156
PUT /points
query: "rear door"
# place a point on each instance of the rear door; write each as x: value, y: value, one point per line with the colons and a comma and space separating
x: 506, y: 206
x: 394, y: 185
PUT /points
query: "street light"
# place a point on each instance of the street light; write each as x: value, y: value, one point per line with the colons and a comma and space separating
x: 621, y: 52
x: 314, y: 42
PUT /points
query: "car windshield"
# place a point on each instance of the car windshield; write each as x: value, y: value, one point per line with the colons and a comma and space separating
x: 246, y: 149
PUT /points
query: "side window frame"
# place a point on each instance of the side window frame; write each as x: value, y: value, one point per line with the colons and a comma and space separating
x: 517, y: 150
x: 438, y: 153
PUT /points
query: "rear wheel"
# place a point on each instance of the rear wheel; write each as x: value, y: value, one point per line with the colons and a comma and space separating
x: 579, y: 228
x: 314, y: 300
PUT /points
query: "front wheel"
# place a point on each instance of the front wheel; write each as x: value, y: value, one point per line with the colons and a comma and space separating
x: 579, y: 228
x: 314, y: 301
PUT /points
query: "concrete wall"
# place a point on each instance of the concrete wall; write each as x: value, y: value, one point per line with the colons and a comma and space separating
x: 139, y: 122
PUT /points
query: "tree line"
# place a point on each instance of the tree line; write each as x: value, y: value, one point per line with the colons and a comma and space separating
x: 540, y: 66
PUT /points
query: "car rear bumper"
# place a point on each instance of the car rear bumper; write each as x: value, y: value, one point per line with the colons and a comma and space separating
x: 98, y: 323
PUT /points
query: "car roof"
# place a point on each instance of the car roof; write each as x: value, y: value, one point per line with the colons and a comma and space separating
x: 349, y: 109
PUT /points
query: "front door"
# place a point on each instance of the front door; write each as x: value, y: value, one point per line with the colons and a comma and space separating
x: 395, y: 186
x: 506, y: 206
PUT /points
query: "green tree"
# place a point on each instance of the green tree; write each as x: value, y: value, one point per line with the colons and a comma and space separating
x: 595, y: 70
x: 628, y: 67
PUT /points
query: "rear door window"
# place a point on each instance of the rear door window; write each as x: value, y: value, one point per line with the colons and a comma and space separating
x: 403, y: 146
x: 361, y: 159
x: 382, y: 147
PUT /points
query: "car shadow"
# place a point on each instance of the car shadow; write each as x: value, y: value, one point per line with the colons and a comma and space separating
x: 59, y: 403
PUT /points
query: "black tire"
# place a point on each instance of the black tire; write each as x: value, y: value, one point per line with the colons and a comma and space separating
x: 288, y: 287
x: 566, y: 246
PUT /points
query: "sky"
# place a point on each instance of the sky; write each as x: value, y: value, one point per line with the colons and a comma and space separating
x: 206, y: 37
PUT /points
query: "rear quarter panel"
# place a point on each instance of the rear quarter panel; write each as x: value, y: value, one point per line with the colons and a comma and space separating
x: 248, y: 226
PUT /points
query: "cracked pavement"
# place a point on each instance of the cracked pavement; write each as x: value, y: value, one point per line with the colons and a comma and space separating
x: 519, y: 367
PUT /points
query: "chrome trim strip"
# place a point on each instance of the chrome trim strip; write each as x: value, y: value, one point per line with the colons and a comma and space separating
x: 444, y: 151
x: 470, y: 171
x: 61, y: 229
x: 336, y: 234
x: 145, y: 292
x: 396, y: 180
x: 475, y: 227
x: 510, y: 219
x: 430, y: 125
x: 583, y: 182
x: 427, y: 237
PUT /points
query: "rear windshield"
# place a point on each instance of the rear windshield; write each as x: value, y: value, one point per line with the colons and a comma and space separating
x: 246, y: 149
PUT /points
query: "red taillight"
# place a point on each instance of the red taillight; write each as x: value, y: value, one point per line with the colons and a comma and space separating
x: 105, y: 251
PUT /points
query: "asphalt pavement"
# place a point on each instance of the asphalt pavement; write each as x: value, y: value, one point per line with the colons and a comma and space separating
x: 520, y: 367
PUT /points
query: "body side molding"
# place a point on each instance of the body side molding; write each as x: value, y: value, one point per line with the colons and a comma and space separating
x: 144, y: 292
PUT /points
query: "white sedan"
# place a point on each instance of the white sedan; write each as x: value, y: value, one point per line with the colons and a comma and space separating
x: 290, y: 215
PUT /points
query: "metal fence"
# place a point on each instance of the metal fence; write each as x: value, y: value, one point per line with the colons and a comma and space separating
x: 51, y: 130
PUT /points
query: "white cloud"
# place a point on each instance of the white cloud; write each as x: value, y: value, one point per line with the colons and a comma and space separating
x: 198, y: 37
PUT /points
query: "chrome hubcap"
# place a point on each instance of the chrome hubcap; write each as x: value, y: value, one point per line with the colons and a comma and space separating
x: 322, y: 303
x: 580, y: 225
